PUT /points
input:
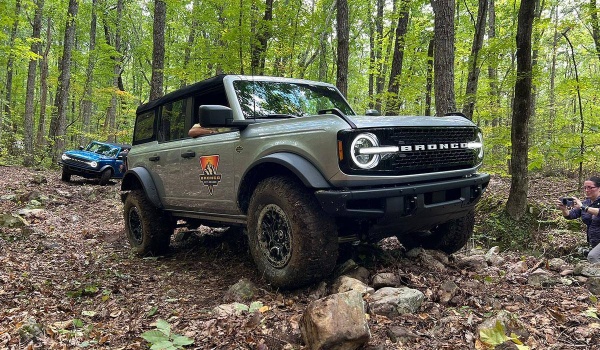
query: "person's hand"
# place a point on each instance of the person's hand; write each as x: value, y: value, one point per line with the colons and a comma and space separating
x: 577, y: 203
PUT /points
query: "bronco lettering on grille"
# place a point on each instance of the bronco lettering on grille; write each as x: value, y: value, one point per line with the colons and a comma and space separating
x: 433, y: 146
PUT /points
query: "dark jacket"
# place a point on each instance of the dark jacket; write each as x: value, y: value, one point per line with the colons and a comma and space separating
x: 592, y: 222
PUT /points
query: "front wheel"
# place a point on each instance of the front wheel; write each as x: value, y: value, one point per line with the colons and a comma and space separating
x: 105, y: 177
x: 292, y: 241
x: 148, y: 229
x: 448, y: 237
x: 66, y: 175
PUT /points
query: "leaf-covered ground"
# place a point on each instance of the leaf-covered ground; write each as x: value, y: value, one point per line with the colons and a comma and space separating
x: 68, y: 280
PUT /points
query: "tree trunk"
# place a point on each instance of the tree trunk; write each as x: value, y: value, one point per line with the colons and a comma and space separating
x: 392, y: 106
x: 516, y: 206
x: 86, y: 103
x: 473, y: 78
x: 371, y: 60
x: 429, y: 85
x: 595, y: 26
x: 59, y: 117
x: 9, y: 72
x: 158, y: 52
x: 263, y: 34
x: 443, y: 57
x: 41, y: 130
x: 111, y: 114
x: 343, y: 33
x: 492, y: 67
x: 30, y: 93
x: 378, y: 54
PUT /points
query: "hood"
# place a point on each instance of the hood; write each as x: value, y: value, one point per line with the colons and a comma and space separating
x: 368, y: 121
x: 85, y: 155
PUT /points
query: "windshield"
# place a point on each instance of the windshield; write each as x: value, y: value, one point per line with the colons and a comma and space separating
x: 102, y: 149
x: 264, y: 99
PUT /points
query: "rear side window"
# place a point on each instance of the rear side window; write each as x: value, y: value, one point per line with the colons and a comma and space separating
x: 172, y: 121
x: 144, y: 128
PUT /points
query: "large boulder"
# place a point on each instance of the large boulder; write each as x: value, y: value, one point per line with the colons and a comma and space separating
x: 337, y: 322
x: 392, y: 302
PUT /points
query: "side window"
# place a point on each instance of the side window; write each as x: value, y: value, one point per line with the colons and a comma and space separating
x: 144, y: 128
x: 172, y: 121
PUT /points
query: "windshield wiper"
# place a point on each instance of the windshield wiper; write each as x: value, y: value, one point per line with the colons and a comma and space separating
x: 277, y: 116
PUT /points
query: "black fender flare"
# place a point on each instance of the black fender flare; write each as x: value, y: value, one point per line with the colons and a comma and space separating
x: 141, y: 176
x: 310, y: 176
x: 107, y: 166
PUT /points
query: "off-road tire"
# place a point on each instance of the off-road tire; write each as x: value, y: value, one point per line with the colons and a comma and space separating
x: 448, y: 237
x: 303, y: 247
x: 105, y: 177
x: 148, y: 229
x: 66, y: 175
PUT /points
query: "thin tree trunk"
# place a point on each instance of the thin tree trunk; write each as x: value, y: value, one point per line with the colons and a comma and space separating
x: 473, y: 78
x: 379, y: 81
x: 443, y: 58
x: 516, y: 206
x: 429, y: 85
x: 59, y: 118
x: 263, y: 34
x: 492, y: 70
x: 392, y: 106
x: 595, y: 26
x: 9, y: 73
x: 41, y: 131
x: 86, y: 103
x: 372, y: 59
x: 111, y: 115
x: 343, y: 32
x: 30, y: 93
x: 158, y: 52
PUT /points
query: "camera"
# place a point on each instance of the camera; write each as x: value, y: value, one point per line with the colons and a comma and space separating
x: 567, y: 201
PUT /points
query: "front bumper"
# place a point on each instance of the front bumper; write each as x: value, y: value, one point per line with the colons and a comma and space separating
x: 82, y: 170
x: 408, y: 208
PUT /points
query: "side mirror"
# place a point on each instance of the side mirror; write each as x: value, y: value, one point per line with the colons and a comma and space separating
x: 372, y: 112
x: 81, y: 148
x: 212, y: 116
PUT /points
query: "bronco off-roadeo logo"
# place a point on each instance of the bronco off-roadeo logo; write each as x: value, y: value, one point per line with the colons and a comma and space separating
x: 209, y: 176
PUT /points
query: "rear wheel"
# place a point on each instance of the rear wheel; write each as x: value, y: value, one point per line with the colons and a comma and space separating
x: 293, y: 242
x: 66, y: 175
x: 105, y: 177
x: 148, y: 229
x: 448, y: 237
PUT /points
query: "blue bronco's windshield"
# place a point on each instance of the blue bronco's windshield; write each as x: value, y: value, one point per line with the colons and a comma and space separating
x: 266, y: 99
x: 102, y: 149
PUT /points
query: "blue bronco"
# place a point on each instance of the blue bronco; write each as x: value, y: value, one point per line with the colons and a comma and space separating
x: 98, y: 160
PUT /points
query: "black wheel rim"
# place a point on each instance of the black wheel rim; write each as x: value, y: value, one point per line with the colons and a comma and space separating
x: 275, y: 236
x: 135, y: 225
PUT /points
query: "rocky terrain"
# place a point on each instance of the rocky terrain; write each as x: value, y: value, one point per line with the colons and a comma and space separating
x: 68, y: 280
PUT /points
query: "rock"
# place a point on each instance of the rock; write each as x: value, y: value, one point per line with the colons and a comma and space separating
x: 386, y: 279
x: 344, y: 284
x: 347, y: 266
x: 415, y: 252
x: 431, y: 262
x: 518, y: 267
x: 11, y: 221
x: 447, y: 291
x: 337, y: 322
x: 360, y: 273
x: 39, y: 179
x: 243, y: 290
x: 30, y: 330
x: 439, y: 256
x: 541, y: 278
x: 9, y: 197
x: 491, y: 252
x: 320, y: 292
x: 509, y: 321
x: 27, y: 213
x: 392, y: 302
x: 557, y: 265
x: 397, y: 333
x: 593, y: 285
x: 588, y: 270
x: 473, y: 263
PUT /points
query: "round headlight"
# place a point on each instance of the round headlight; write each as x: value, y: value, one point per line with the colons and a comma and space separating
x: 362, y: 141
x: 64, y: 157
x: 93, y: 164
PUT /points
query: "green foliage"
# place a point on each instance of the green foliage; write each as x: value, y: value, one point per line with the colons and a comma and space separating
x: 496, y: 336
x: 162, y: 338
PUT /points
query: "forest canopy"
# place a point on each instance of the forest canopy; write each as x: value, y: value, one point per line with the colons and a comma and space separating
x: 110, y: 43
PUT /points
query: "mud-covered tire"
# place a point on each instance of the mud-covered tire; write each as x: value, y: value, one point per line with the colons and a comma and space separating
x: 66, y: 175
x: 148, y: 229
x: 448, y: 237
x: 105, y: 177
x: 292, y: 241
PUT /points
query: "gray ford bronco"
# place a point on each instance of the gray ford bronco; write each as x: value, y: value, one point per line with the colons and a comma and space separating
x: 290, y: 161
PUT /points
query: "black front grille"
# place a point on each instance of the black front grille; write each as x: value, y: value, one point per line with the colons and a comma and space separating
x: 423, y: 150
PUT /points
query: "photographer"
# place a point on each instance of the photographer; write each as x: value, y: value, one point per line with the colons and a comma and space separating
x: 588, y: 210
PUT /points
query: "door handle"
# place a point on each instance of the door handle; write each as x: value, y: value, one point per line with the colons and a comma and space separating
x: 154, y: 158
x: 188, y: 154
